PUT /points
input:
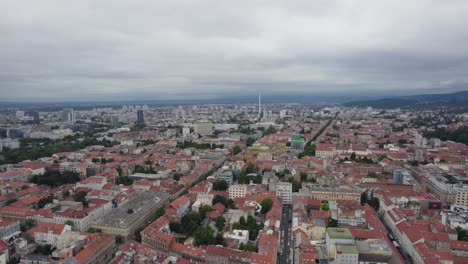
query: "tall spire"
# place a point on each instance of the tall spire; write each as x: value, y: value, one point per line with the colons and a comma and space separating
x: 259, y: 105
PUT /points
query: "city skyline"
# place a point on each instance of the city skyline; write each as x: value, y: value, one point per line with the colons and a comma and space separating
x: 90, y: 51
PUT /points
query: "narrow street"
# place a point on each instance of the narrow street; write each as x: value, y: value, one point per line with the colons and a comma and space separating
x: 285, y: 239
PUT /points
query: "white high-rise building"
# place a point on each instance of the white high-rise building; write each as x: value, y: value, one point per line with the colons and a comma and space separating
x: 185, y: 132
x: 283, y: 113
x: 68, y: 116
x: 284, y: 190
x: 462, y: 195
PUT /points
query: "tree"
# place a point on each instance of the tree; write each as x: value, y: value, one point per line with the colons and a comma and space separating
x: 228, y: 203
x: 296, y: 185
x: 190, y: 222
x: 220, y: 222
x: 270, y: 130
x: 251, y: 168
x: 29, y: 238
x: 94, y: 230
x: 332, y: 223
x: 248, y: 247
x: 124, y: 180
x: 462, y: 234
x: 249, y: 224
x: 220, y: 185
x: 159, y: 212
x: 203, y: 210
x: 242, y: 177
x: 250, y: 141
x: 81, y: 197
x: 120, y: 171
x: 325, y: 206
x: 363, y: 198
x: 175, y: 227
x: 130, y: 211
x: 242, y: 221
x: 55, y: 178
x: 119, y: 239
x: 176, y: 177
x: 375, y: 203
x: 236, y: 150
x: 303, y: 177
x: 353, y: 156
x: 29, y: 223
x: 70, y: 223
x: 266, y: 205
x: 138, y: 234
x: 45, y: 250
x: 309, y: 150
x: 204, y: 236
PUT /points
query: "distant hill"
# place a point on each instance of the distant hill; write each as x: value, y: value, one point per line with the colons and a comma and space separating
x: 459, y: 99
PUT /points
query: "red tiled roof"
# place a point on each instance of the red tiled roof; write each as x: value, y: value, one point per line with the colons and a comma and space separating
x: 3, y: 246
x: 6, y: 222
x: 188, y: 250
x: 97, y: 241
x: 44, y: 227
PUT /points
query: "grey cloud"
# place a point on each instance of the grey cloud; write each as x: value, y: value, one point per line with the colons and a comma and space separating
x: 194, y: 48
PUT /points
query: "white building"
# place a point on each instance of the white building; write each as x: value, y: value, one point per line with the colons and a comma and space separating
x: 68, y: 116
x: 48, y: 233
x: 205, y: 198
x: 345, y: 254
x: 185, y: 132
x: 9, y: 143
x: 462, y: 195
x: 237, y: 191
x: 94, y: 182
x: 240, y: 235
x: 225, y: 175
x: 284, y: 190
x: 283, y: 113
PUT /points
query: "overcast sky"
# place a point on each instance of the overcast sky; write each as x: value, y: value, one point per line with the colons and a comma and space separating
x: 76, y: 50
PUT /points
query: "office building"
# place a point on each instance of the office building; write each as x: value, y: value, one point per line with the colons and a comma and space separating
x: 284, y: 190
x: 297, y: 143
x: 397, y: 177
x: 35, y: 116
x: 225, y: 175
x: 140, y: 119
x: 68, y: 116
x: 15, y: 133
x: 114, y: 120
x: 462, y: 195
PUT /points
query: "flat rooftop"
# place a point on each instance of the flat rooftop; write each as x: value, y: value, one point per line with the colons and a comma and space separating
x: 140, y: 204
x: 339, y: 233
x: 347, y: 249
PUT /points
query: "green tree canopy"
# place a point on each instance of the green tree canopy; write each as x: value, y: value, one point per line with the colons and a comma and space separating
x: 266, y: 205
x: 220, y: 185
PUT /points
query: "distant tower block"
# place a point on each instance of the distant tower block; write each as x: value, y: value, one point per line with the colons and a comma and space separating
x: 140, y: 119
x: 397, y: 177
x: 68, y: 116
x: 259, y: 105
